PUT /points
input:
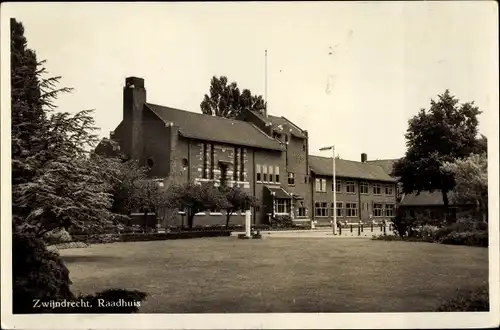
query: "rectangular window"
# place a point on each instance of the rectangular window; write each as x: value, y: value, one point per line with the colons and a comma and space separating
x: 264, y: 173
x: 291, y: 178
x: 242, y: 164
x: 338, y: 185
x: 212, y: 157
x: 270, y: 174
x: 205, y: 161
x: 378, y: 209
x: 339, y: 209
x: 277, y: 174
x: 363, y: 187
x: 389, y: 191
x: 321, y: 209
x: 236, y: 164
x: 283, y: 206
x: 351, y: 209
x: 259, y: 175
x: 350, y: 187
x: 302, y: 211
x: 321, y: 185
x: 377, y: 190
x: 389, y: 210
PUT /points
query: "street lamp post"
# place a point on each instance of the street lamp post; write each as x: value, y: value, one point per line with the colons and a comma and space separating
x: 334, y: 188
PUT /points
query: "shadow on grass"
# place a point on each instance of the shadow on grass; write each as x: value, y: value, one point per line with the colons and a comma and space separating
x: 70, y: 259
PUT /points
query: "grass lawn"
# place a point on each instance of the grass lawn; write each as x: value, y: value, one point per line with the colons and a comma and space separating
x: 217, y: 275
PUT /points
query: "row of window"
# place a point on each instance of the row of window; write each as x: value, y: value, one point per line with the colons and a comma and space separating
x: 350, y: 187
x: 266, y: 173
x: 284, y: 206
x: 324, y: 209
x: 209, y: 163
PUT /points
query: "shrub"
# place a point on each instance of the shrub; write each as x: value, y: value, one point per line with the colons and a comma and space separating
x: 469, y: 238
x: 281, y: 221
x: 37, y: 274
x: 475, y: 300
x: 71, y: 245
x: 426, y: 233
x: 467, y: 224
x: 97, y: 238
x: 57, y: 237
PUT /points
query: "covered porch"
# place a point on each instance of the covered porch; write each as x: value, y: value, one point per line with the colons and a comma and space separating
x: 281, y: 203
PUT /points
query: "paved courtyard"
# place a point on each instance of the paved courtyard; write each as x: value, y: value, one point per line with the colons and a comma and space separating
x: 216, y: 275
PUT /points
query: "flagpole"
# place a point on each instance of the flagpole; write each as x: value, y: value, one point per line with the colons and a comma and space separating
x: 265, y: 81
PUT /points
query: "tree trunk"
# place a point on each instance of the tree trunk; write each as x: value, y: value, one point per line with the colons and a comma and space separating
x: 228, y: 216
x: 444, y: 193
x: 145, y: 228
x: 484, y: 211
x: 190, y: 219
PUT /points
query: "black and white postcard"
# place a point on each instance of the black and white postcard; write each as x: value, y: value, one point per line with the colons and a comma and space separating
x: 244, y: 165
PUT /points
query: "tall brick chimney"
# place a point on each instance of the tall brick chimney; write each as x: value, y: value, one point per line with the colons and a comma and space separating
x: 364, y: 157
x: 134, y: 97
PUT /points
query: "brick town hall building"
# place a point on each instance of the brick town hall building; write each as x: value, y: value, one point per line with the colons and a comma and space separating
x: 264, y: 154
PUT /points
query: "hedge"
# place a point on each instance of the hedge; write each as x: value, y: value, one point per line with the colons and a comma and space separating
x: 470, y: 238
x: 174, y: 235
x: 110, y: 238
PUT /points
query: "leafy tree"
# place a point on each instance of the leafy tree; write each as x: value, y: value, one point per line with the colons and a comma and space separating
x: 471, y: 182
x: 55, y: 184
x: 110, y: 149
x: 481, y: 145
x: 124, y: 178
x: 194, y: 198
x: 150, y: 196
x: 447, y: 131
x: 236, y: 199
x: 226, y: 100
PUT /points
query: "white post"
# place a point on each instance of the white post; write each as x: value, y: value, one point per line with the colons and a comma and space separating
x: 334, y: 188
x: 334, y: 223
x: 248, y: 217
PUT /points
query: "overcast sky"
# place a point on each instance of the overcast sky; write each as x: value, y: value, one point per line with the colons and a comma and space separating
x: 387, y: 60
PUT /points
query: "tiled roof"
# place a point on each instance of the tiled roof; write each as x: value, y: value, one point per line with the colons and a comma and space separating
x: 283, y: 122
x: 286, y: 124
x: 348, y: 169
x: 279, y: 192
x: 425, y: 198
x: 211, y: 128
x: 386, y: 164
